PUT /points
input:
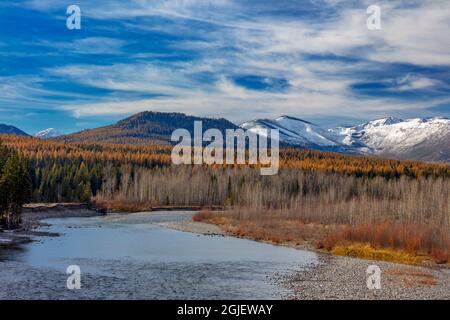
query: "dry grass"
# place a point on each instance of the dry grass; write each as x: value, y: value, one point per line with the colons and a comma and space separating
x: 413, y: 239
x: 273, y: 229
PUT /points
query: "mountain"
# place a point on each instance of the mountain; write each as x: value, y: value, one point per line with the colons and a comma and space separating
x: 6, y: 129
x: 48, y: 133
x: 425, y: 139
x: 299, y: 133
x: 145, y: 127
x: 415, y: 139
x: 419, y: 139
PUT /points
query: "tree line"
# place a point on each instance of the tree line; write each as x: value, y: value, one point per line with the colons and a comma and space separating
x: 15, y: 186
x: 78, y: 172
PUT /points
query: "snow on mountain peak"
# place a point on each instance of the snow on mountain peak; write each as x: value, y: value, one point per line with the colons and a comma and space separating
x: 297, y: 132
x: 287, y: 118
x: 385, y: 121
x: 420, y: 138
x: 48, y: 133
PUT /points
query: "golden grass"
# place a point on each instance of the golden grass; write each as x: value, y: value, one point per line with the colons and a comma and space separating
x: 366, y: 251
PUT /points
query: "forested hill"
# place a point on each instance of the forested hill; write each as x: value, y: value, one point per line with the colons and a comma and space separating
x: 66, y: 172
x: 7, y: 129
x: 145, y: 127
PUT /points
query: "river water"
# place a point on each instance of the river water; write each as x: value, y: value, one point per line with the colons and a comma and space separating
x: 132, y: 257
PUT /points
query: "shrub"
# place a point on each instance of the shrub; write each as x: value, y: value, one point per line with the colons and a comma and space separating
x: 203, y: 215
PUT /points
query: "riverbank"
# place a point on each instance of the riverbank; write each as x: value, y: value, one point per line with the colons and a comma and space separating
x: 334, y: 277
x: 135, y: 207
x: 33, y: 214
x: 194, y: 227
x: 339, y: 277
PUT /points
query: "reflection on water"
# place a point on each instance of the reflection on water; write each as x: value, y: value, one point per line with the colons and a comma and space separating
x: 129, y: 256
x: 10, y: 251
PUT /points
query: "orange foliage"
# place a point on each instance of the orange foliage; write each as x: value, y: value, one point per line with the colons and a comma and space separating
x: 144, y: 155
x: 150, y: 155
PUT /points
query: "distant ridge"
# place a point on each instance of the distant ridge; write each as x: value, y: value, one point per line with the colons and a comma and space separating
x: 7, y: 129
x: 425, y: 139
x: 146, y: 127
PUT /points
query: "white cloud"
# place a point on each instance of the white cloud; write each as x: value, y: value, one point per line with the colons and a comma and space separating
x: 412, y: 31
x: 226, y: 99
x: 416, y: 35
x: 414, y: 82
x: 268, y: 46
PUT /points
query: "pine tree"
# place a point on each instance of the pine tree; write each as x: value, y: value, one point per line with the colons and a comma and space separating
x: 84, y: 192
x: 15, y: 189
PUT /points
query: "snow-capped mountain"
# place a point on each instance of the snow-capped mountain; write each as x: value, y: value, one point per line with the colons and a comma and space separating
x: 48, y: 133
x: 416, y: 139
x: 298, y: 132
x: 421, y: 139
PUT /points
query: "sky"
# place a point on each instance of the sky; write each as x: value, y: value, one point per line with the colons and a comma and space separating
x: 238, y: 59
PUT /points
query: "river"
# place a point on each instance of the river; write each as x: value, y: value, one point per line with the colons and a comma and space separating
x: 133, y: 257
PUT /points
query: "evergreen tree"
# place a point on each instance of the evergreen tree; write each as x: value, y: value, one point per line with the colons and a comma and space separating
x: 15, y: 189
x: 85, y: 192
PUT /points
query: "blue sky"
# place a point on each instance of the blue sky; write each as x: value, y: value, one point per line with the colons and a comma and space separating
x: 313, y: 59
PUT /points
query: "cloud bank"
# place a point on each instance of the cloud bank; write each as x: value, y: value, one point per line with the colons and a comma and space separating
x: 237, y: 59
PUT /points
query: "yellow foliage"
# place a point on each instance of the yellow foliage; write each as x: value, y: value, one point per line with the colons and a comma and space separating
x: 365, y: 251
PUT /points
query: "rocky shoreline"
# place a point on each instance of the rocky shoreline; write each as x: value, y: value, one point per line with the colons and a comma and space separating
x: 345, y: 278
